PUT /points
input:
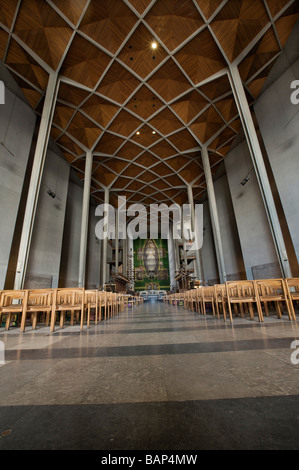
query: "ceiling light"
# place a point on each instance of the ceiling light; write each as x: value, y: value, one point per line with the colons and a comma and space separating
x: 154, y: 132
x: 154, y: 45
x: 138, y: 133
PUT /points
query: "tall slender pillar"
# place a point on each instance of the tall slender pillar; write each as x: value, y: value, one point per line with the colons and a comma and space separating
x: 35, y: 180
x: 260, y: 169
x: 116, y: 241
x: 214, y: 214
x: 176, y: 255
x: 125, y: 255
x: 194, y: 230
x: 185, y: 262
x: 105, y: 241
x: 100, y: 261
x: 85, y: 218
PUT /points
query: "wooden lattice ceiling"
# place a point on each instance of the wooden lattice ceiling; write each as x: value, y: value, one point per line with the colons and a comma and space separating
x: 113, y: 84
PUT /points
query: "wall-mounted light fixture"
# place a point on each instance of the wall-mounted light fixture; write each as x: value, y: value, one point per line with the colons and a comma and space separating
x: 245, y: 180
x: 53, y: 195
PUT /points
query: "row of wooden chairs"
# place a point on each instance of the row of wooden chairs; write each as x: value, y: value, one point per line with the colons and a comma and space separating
x: 132, y: 300
x: 175, y: 299
x: 253, y: 297
x: 48, y: 303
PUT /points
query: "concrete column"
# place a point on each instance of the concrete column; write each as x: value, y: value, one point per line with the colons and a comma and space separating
x: 260, y: 169
x: 214, y: 214
x: 105, y: 241
x: 35, y: 180
x: 85, y: 218
x: 183, y: 240
x: 176, y: 255
x: 116, y: 241
x: 194, y: 230
x: 125, y: 255
x: 100, y: 261
x: 171, y: 261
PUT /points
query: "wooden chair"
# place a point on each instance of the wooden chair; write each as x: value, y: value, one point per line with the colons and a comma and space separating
x: 243, y: 293
x: 12, y: 302
x: 102, y: 305
x: 91, y: 302
x: 198, y: 300
x: 274, y: 291
x: 38, y: 301
x: 207, y: 297
x: 220, y: 299
x: 67, y: 299
x: 292, y: 286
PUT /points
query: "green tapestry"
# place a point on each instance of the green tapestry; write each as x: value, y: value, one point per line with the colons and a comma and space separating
x: 151, y: 265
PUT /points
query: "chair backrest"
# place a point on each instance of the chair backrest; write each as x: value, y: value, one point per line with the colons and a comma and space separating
x: 271, y: 287
x: 91, y: 295
x: 13, y: 297
x: 70, y: 296
x: 240, y: 289
x: 207, y: 292
x: 40, y: 297
x: 292, y: 284
x: 219, y: 291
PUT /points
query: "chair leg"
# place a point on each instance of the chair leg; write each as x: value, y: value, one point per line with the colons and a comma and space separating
x: 62, y: 314
x: 260, y: 311
x: 278, y: 309
x: 7, y: 324
x: 82, y: 319
x: 88, y: 316
x: 251, y: 311
x: 34, y: 320
x: 23, y: 321
x: 230, y: 312
x: 224, y: 310
x: 53, y: 321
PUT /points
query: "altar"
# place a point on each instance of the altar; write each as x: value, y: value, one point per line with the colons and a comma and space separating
x: 152, y: 295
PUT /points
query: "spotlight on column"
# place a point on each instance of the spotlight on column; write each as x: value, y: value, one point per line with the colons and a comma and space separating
x: 245, y: 180
x: 53, y: 195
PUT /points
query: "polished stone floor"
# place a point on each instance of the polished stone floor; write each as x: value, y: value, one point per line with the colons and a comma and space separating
x: 156, y: 377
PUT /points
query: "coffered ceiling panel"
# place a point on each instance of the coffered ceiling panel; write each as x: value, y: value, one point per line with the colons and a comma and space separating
x: 144, y: 103
x: 143, y: 83
x: 238, y: 23
x: 190, y: 105
x: 7, y: 12
x: 200, y: 58
x: 43, y: 31
x: 118, y: 84
x: 85, y: 63
x: 208, y: 7
x: 100, y: 110
x: 175, y: 21
x: 108, y: 23
x: 72, y: 10
x: 138, y: 55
